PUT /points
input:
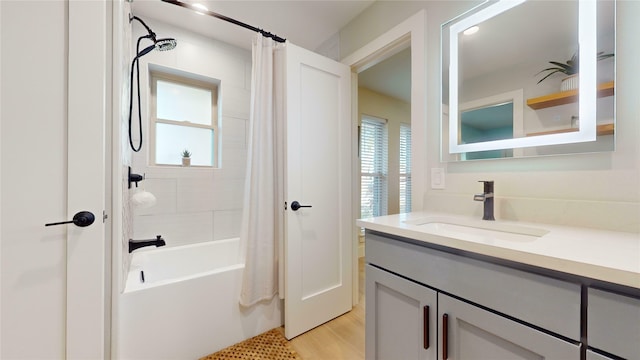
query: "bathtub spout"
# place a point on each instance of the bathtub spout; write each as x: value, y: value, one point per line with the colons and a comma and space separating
x: 136, y: 244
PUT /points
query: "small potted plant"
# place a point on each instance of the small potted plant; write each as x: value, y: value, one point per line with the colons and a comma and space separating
x: 569, y: 68
x: 186, y: 158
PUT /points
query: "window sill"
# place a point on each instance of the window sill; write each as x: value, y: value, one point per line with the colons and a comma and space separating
x: 178, y: 171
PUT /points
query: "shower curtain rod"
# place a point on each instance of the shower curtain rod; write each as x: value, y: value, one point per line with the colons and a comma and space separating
x: 228, y: 19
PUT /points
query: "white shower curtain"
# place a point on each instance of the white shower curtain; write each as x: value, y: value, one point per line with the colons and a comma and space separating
x: 262, y: 220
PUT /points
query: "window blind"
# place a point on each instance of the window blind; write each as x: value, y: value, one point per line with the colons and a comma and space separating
x: 373, y: 168
x: 405, y: 168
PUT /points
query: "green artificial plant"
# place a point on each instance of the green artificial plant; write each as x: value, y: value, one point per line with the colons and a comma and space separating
x: 570, y: 67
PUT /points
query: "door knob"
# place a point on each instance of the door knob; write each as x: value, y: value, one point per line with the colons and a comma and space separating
x: 81, y: 219
x: 296, y: 205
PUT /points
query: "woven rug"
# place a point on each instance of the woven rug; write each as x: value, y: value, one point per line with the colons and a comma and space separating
x: 267, y: 346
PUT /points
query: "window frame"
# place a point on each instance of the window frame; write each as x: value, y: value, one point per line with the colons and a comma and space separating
x: 154, y: 76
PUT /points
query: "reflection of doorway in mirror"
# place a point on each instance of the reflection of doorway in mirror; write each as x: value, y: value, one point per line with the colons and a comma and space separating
x: 492, y: 118
x: 485, y: 124
x: 489, y: 123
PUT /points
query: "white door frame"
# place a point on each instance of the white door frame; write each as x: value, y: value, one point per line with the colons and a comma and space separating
x: 409, y: 33
x: 87, y: 322
x: 120, y: 158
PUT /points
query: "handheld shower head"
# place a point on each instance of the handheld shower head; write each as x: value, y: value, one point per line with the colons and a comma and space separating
x: 144, y: 52
x: 160, y: 45
x: 166, y: 44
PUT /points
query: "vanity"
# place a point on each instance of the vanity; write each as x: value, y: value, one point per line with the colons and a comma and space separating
x: 451, y: 287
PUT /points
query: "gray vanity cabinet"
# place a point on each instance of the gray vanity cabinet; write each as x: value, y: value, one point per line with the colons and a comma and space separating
x: 493, y: 311
x: 407, y: 320
x: 470, y: 333
x: 400, y: 317
x: 614, y: 323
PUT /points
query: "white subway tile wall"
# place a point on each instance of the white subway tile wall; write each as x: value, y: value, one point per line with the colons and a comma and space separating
x: 198, y: 204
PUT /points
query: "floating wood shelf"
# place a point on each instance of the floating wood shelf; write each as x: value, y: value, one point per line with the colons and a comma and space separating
x: 567, y: 97
x: 605, y: 129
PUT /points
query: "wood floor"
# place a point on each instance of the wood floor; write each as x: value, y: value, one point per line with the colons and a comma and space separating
x: 341, y: 338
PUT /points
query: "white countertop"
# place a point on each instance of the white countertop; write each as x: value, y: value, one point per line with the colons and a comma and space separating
x: 603, y: 255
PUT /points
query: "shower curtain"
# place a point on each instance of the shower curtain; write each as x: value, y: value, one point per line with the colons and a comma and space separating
x: 262, y: 223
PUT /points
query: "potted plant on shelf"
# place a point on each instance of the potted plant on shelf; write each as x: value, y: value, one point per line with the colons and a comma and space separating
x: 186, y: 158
x: 569, y: 68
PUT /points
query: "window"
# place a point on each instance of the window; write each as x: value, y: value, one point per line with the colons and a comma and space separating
x: 405, y: 168
x: 373, y: 167
x: 183, y: 117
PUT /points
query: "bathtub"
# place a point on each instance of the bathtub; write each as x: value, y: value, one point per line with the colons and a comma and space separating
x: 182, y: 303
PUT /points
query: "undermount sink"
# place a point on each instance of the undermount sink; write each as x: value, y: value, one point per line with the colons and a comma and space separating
x: 456, y: 227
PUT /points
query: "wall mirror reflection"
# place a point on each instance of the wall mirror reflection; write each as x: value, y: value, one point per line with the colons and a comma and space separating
x: 556, y: 56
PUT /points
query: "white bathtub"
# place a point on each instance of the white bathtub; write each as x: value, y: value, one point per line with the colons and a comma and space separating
x: 187, y: 307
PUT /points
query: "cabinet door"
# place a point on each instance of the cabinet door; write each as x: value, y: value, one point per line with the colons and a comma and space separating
x: 400, y: 318
x: 613, y: 323
x: 595, y: 356
x: 469, y: 332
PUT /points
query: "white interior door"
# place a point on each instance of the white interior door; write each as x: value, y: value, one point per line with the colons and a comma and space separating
x: 53, y: 115
x: 318, y: 244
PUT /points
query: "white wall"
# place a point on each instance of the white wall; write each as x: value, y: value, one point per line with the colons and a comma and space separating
x: 395, y: 112
x: 197, y: 204
x: 598, y: 190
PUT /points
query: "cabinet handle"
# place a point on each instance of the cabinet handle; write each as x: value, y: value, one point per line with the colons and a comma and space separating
x: 425, y: 327
x: 445, y: 336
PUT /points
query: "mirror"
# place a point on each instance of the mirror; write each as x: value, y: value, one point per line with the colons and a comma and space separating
x: 510, y: 60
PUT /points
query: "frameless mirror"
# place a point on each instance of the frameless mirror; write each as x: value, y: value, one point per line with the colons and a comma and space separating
x: 512, y: 87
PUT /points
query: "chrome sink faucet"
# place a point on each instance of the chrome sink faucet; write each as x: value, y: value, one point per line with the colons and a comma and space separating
x: 487, y: 198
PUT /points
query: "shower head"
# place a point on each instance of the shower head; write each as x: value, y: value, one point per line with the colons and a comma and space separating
x: 165, y: 44
x: 159, y: 44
